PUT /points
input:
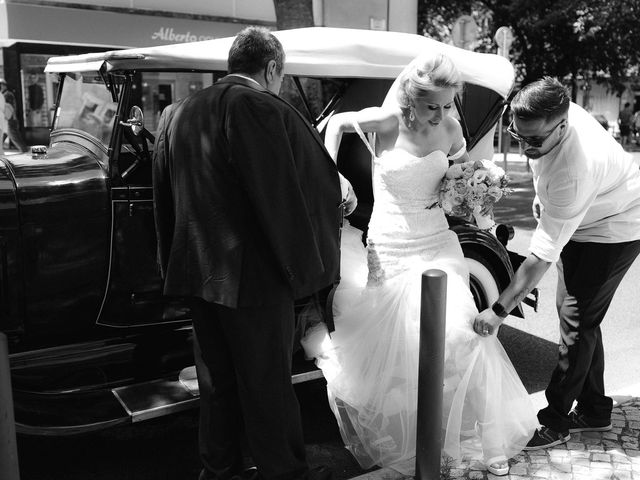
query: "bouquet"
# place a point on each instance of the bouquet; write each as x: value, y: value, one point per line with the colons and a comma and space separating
x: 469, y: 188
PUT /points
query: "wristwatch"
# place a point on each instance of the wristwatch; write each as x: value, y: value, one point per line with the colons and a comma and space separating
x: 499, y: 310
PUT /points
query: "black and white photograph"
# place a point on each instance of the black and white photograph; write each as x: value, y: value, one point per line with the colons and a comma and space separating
x: 319, y: 240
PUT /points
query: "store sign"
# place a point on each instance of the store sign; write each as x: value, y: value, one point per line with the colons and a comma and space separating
x: 76, y: 26
x: 167, y: 34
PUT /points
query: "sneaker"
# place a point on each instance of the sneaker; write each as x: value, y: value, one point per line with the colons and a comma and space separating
x: 582, y: 423
x: 544, y: 437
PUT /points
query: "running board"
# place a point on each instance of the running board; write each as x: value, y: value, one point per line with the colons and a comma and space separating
x: 157, y: 398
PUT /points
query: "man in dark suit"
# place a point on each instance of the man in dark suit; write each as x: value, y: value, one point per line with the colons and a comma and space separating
x: 248, y: 210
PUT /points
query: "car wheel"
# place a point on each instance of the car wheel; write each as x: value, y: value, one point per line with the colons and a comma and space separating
x: 482, y: 281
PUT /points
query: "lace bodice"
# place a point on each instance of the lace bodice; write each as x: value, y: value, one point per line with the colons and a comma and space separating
x: 409, y: 182
x: 404, y: 186
x: 403, y: 228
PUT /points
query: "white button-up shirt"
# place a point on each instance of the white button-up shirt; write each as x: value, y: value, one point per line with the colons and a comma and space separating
x: 589, y: 188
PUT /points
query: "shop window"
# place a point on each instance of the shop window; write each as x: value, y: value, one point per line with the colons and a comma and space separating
x: 38, y: 91
x: 160, y: 89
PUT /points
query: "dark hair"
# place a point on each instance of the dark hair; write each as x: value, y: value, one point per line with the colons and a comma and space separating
x: 545, y: 98
x: 252, y: 49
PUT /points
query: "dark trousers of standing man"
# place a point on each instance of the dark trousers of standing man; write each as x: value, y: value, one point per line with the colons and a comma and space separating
x: 243, y: 362
x: 15, y: 137
x: 588, y: 276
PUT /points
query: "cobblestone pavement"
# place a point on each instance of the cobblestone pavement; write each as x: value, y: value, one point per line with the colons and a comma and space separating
x: 613, y: 455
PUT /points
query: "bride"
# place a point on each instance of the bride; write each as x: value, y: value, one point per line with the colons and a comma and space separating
x: 371, y: 360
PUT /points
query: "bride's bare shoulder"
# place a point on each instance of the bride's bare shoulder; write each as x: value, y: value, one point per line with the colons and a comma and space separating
x: 452, y: 128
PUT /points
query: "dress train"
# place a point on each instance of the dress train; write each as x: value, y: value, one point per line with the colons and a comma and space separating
x: 371, y: 365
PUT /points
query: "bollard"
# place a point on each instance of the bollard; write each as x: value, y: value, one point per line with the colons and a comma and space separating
x: 9, y: 469
x: 431, y: 375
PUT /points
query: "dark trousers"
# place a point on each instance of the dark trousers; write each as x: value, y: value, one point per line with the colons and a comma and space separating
x: 588, y: 276
x: 243, y: 361
x: 15, y: 137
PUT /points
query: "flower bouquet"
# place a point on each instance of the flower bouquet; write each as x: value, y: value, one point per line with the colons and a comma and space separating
x: 469, y: 188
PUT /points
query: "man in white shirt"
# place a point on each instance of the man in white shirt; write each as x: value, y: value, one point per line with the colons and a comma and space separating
x: 588, y: 210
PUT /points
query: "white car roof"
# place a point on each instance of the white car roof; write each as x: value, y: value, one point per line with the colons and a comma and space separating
x: 313, y: 52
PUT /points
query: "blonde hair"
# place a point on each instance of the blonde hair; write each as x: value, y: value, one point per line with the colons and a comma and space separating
x: 428, y: 73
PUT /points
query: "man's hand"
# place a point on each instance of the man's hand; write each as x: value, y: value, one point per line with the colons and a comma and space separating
x: 536, y: 207
x: 487, y: 323
x: 348, y: 196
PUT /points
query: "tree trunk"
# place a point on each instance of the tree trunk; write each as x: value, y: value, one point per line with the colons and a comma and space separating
x: 298, y: 14
x: 293, y: 13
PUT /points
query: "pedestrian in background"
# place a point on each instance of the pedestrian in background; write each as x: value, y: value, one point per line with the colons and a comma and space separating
x: 248, y: 210
x: 588, y: 209
x: 13, y: 127
x: 636, y: 127
x: 625, y: 120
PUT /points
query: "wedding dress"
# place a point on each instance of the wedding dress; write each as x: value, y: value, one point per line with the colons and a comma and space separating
x: 370, y: 361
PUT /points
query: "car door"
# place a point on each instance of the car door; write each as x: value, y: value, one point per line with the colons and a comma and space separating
x: 134, y: 292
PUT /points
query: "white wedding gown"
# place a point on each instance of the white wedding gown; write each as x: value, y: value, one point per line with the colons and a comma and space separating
x: 371, y: 360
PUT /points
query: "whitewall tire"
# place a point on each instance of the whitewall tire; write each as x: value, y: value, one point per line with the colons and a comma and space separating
x: 484, y: 285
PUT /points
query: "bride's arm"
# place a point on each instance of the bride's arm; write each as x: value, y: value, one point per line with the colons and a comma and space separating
x: 458, y: 152
x: 374, y: 119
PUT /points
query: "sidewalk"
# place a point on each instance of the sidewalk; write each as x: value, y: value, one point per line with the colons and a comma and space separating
x: 586, y: 456
x: 515, y: 165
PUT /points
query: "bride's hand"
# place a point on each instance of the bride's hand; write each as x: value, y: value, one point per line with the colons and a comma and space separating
x: 350, y: 200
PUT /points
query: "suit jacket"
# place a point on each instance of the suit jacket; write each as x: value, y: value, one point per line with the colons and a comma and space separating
x: 246, y: 198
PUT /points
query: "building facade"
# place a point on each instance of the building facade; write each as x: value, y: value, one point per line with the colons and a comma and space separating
x: 32, y: 31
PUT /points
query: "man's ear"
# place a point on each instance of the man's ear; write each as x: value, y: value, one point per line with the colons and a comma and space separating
x: 270, y: 70
x: 564, y: 127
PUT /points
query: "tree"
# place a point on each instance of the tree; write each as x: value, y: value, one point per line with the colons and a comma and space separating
x: 609, y: 31
x: 298, y: 14
x: 293, y: 13
x: 568, y: 39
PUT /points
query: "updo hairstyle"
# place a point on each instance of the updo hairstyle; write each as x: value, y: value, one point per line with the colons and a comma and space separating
x: 428, y: 73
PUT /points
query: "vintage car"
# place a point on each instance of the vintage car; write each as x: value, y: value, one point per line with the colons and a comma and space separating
x: 93, y: 342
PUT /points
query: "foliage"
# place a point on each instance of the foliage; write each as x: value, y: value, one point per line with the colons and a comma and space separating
x: 570, y: 39
x: 293, y: 13
x: 298, y: 14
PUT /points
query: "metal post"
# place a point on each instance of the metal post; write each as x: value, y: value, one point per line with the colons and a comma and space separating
x: 500, y: 134
x: 9, y: 469
x: 506, y: 148
x: 431, y: 374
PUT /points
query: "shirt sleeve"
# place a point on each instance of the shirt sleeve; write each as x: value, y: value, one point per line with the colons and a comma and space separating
x: 564, y: 205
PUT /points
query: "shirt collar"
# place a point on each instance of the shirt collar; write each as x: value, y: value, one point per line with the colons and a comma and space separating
x: 246, y: 78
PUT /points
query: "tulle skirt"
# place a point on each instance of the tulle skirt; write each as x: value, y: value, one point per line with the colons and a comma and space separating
x: 371, y: 367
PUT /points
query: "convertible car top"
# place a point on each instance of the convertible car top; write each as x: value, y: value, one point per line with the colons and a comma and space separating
x: 311, y: 52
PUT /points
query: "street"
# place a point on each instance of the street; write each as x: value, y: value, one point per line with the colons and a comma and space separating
x: 166, y: 448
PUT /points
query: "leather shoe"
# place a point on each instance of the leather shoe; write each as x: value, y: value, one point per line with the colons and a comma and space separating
x: 321, y: 472
x: 247, y: 474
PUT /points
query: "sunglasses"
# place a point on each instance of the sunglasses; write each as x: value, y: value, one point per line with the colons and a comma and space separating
x: 535, y: 142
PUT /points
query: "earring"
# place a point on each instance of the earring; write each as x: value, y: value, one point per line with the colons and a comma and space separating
x: 412, y: 115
